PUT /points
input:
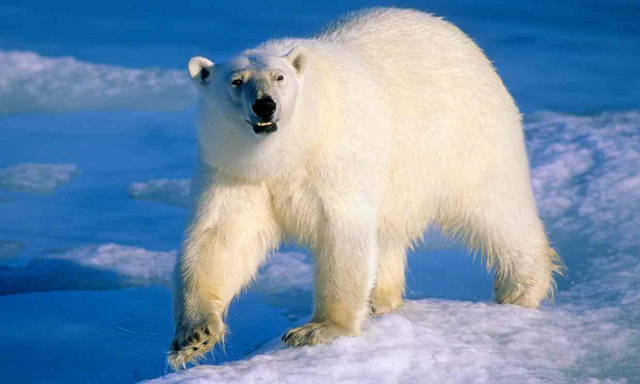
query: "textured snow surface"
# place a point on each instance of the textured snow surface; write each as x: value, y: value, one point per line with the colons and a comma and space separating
x: 34, y: 83
x: 438, y: 341
x: 36, y: 178
x: 586, y: 174
x: 171, y: 191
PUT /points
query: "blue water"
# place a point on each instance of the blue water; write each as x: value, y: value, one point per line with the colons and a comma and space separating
x: 573, y: 56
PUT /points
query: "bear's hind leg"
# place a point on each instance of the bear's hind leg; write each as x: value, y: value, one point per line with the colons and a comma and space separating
x: 528, y: 278
x: 513, y: 242
x: 388, y: 292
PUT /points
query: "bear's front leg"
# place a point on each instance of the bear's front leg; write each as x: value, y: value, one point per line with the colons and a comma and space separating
x: 231, y: 231
x: 345, y: 272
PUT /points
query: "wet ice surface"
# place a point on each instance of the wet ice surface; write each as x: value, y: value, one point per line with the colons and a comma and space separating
x: 86, y: 250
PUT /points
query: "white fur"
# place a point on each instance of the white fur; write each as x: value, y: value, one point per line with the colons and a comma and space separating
x: 394, y: 120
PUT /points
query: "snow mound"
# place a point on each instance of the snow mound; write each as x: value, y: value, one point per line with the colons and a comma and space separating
x: 36, y: 178
x: 171, y: 191
x: 438, y: 341
x: 34, y: 83
x: 584, y: 337
x: 586, y: 176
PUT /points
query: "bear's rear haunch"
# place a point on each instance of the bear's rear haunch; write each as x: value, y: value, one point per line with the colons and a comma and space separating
x: 353, y: 143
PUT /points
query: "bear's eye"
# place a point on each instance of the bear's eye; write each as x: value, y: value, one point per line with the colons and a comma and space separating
x: 236, y: 82
x: 279, y: 78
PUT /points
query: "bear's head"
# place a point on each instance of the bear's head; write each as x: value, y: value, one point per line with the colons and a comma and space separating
x: 253, y: 94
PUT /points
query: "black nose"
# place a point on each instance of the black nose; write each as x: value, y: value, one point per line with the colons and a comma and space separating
x: 264, y: 108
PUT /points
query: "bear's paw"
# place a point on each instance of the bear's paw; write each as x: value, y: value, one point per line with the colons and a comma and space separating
x: 189, y: 345
x: 315, y: 333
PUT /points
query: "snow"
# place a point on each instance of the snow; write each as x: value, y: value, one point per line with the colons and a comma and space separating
x: 36, y: 178
x: 171, y: 191
x: 586, y: 173
x: 34, y: 83
x: 444, y: 341
x: 457, y: 342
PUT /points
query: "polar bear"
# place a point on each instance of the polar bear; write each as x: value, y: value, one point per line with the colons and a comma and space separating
x: 353, y: 142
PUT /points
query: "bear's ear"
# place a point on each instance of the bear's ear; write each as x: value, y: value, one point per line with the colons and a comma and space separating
x: 299, y: 58
x: 200, y: 69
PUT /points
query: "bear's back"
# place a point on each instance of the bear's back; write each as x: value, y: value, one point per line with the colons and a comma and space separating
x: 386, y: 28
x: 445, y: 102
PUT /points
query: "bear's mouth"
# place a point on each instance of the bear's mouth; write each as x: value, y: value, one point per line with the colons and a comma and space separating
x: 264, y: 128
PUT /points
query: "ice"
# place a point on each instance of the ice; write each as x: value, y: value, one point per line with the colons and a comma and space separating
x: 133, y: 264
x: 9, y: 250
x: 34, y: 83
x: 171, y: 191
x: 105, y: 266
x: 36, y: 178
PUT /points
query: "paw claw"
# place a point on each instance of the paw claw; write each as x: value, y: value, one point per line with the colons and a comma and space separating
x: 314, y: 333
x: 190, y: 345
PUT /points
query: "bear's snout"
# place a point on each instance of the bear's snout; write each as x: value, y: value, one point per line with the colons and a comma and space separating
x: 264, y: 108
